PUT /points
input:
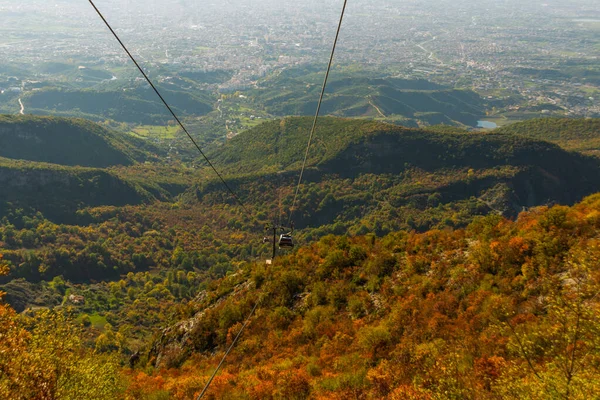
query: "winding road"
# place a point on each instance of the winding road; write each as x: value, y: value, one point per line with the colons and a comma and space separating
x: 431, y: 53
x: 377, y: 108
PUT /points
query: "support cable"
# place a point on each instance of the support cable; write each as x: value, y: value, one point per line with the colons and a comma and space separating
x: 210, y: 164
x: 314, y: 126
x: 228, y: 351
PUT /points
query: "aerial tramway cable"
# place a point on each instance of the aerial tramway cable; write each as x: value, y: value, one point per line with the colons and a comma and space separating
x: 210, y: 164
x: 247, y: 321
x: 228, y: 351
x: 312, y: 132
x: 314, y: 126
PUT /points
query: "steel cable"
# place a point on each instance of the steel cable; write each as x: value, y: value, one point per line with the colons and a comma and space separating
x: 314, y: 126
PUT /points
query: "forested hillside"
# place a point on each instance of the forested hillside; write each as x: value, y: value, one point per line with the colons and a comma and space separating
x: 59, y: 192
x: 407, y: 280
x: 367, y: 176
x: 350, y: 146
x: 572, y: 134
x: 500, y: 309
x: 67, y: 142
x: 363, y: 176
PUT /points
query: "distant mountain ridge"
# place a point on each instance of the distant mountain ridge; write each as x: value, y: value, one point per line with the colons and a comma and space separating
x: 417, y: 101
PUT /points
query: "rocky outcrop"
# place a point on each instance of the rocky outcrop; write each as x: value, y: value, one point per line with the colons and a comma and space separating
x: 176, y: 343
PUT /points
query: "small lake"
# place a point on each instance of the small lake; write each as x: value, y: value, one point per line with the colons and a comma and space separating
x: 486, y: 124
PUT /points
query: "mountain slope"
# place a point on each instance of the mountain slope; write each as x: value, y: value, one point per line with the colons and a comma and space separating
x: 65, y: 141
x: 58, y: 192
x: 572, y: 134
x: 443, y: 314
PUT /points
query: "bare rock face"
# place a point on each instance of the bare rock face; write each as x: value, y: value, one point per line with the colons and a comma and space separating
x: 178, y: 342
x: 173, y: 346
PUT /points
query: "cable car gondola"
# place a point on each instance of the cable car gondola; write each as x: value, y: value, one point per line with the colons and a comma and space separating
x: 286, y: 241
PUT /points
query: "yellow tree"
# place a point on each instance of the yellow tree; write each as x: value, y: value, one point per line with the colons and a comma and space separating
x: 559, y: 353
x: 44, y: 358
x: 4, y: 270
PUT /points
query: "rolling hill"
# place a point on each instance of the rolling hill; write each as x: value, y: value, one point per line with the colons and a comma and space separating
x: 362, y: 175
x: 346, y: 145
x: 415, y: 101
x: 370, y: 176
x: 67, y: 142
x: 135, y: 105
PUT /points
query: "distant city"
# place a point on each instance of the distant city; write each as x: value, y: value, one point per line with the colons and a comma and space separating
x: 516, y: 54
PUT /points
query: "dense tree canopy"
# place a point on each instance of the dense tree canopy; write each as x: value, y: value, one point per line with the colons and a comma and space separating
x: 499, y: 310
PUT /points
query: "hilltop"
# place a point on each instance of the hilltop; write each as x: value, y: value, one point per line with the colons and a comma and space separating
x: 351, y: 146
x: 572, y: 134
x: 67, y: 141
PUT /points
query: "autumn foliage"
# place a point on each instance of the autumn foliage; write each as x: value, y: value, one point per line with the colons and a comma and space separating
x: 501, y: 309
